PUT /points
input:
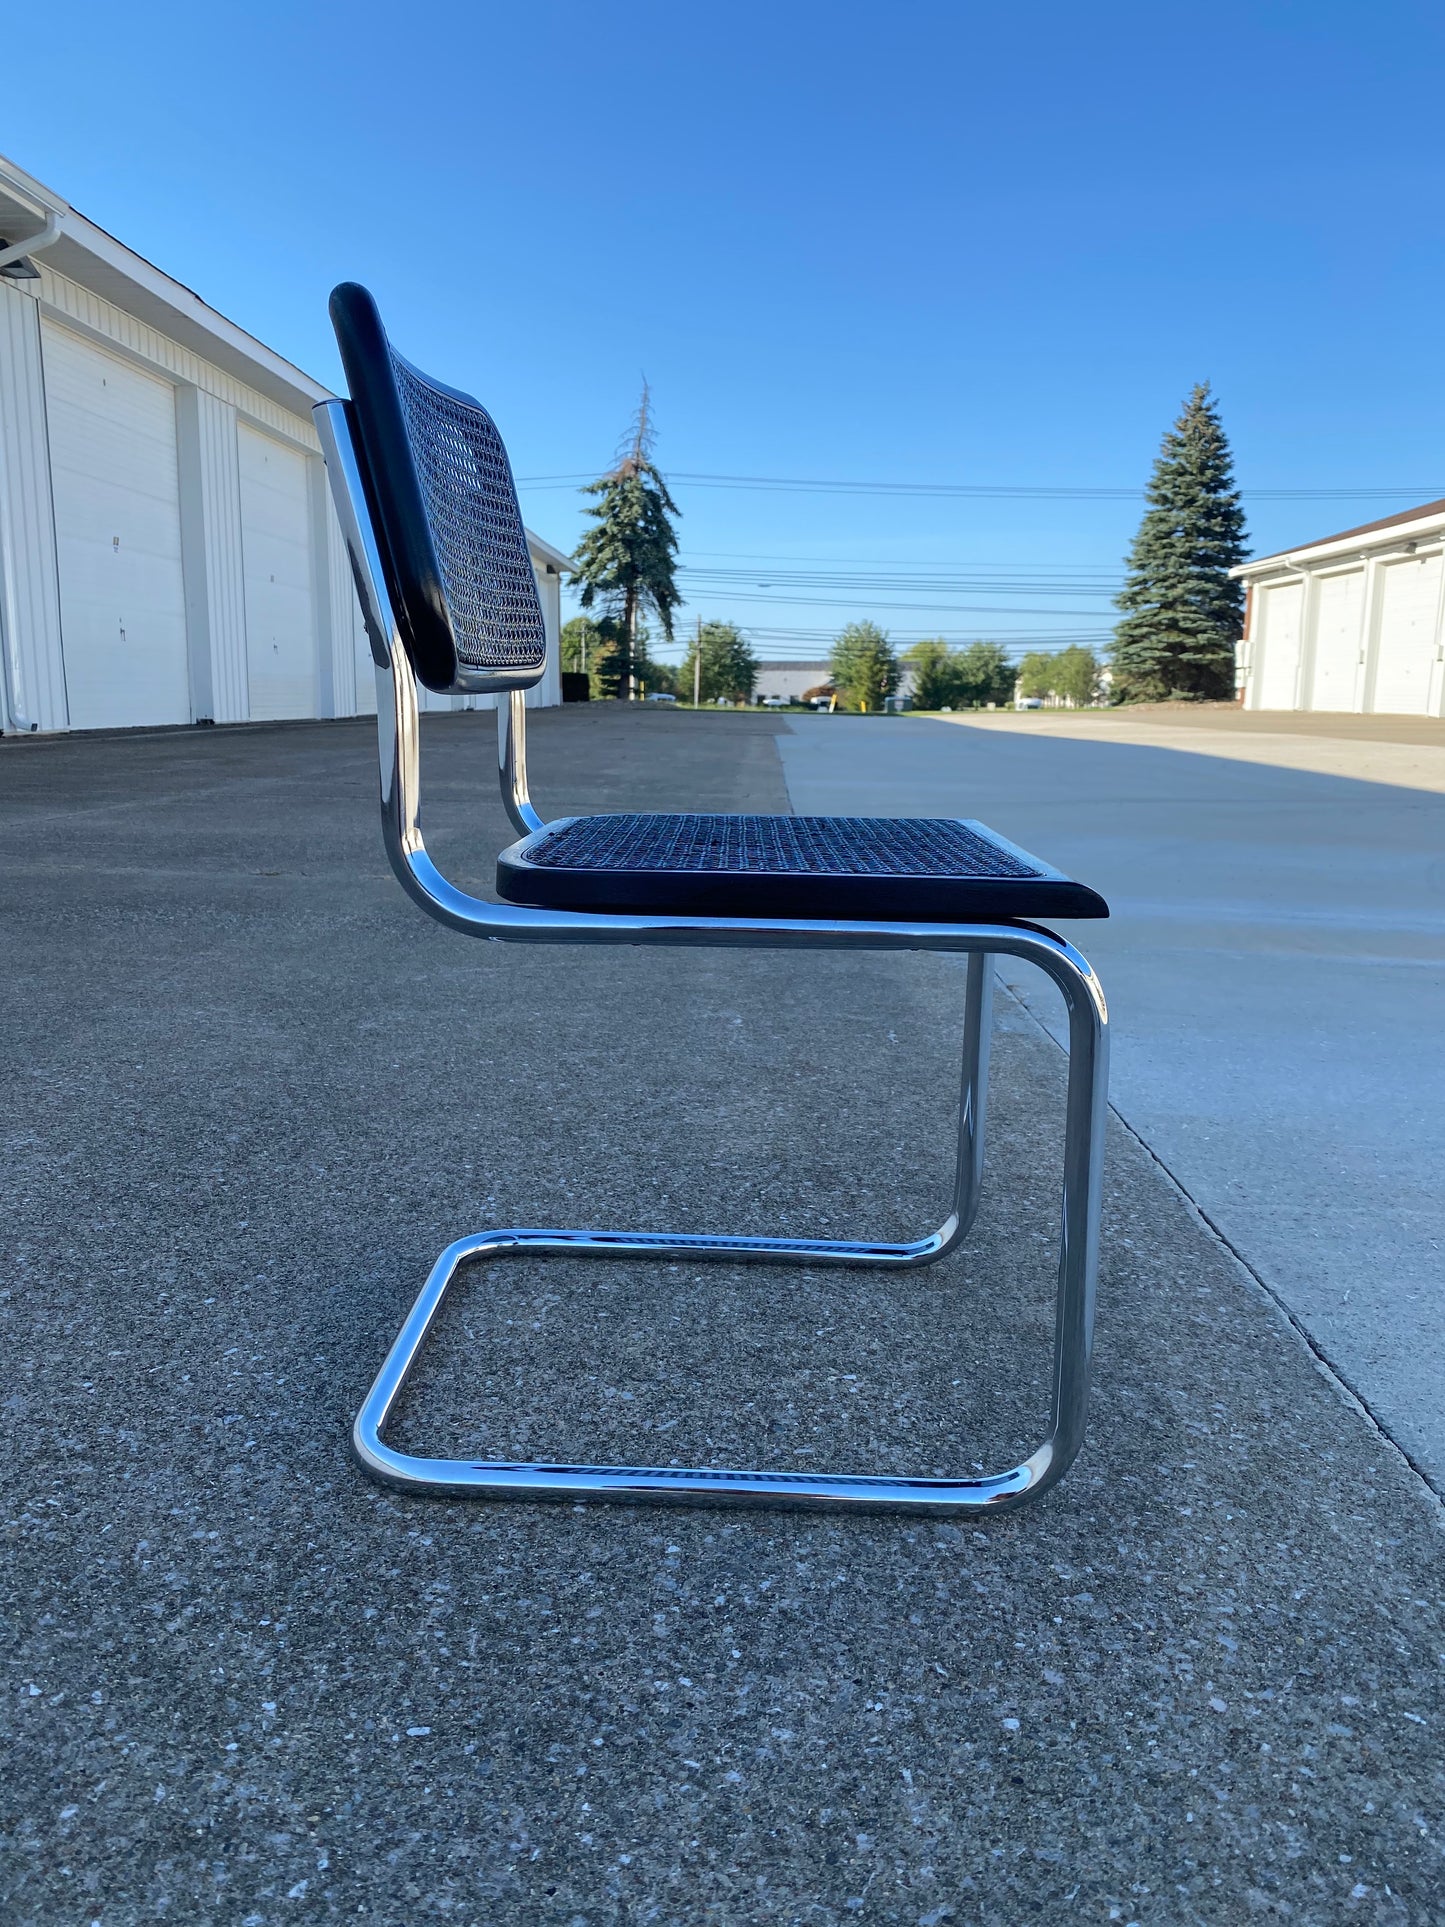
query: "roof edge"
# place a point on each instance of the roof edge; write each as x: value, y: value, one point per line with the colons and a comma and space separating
x: 553, y: 557
x: 1427, y: 512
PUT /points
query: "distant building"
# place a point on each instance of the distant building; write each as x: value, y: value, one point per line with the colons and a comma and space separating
x: 790, y: 680
x: 793, y: 680
x: 168, y: 549
x: 1351, y: 622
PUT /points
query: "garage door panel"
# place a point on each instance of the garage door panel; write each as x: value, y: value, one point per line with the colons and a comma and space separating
x: 277, y: 567
x: 1279, y: 643
x: 1339, y: 634
x: 116, y: 488
x: 1406, y: 640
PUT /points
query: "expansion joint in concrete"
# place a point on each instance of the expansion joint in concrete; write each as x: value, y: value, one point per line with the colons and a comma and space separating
x: 1323, y: 1363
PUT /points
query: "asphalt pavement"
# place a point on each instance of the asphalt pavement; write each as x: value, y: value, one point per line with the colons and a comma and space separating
x: 252, y: 1092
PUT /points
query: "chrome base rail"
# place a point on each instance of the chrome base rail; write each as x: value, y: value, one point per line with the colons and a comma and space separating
x: 1074, y: 1316
x: 398, y: 745
x: 666, y: 1485
x: 497, y: 1479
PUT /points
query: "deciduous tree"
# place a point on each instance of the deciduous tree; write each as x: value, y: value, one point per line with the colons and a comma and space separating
x: 1036, y: 674
x: 935, y: 674
x: 728, y: 666
x: 590, y: 647
x: 985, y: 675
x: 865, y: 669
x: 1076, y: 676
x: 1071, y: 674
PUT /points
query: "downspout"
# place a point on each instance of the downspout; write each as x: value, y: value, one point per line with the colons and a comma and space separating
x: 17, y: 719
x: 48, y: 234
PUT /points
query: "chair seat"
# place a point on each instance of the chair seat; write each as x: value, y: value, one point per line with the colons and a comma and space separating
x: 848, y: 868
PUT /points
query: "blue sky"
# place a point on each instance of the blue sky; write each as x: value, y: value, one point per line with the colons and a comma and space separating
x: 937, y: 244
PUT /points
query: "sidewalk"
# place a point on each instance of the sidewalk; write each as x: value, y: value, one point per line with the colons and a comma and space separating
x: 1405, y: 751
x: 254, y: 1091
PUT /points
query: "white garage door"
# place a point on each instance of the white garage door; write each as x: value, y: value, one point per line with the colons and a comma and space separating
x: 1338, y: 637
x: 1279, y: 640
x: 118, y: 537
x: 280, y: 607
x: 1409, y: 606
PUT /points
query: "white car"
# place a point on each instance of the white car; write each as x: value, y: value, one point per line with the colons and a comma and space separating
x: 775, y: 702
x: 660, y: 696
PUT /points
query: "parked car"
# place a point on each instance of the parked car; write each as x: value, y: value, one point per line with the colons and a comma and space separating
x: 774, y: 702
x: 660, y: 696
x: 1028, y: 702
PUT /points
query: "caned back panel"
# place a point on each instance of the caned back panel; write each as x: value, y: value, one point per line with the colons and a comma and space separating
x: 475, y: 525
x: 444, y: 507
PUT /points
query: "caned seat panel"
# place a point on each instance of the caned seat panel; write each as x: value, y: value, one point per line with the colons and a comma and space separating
x: 901, y: 869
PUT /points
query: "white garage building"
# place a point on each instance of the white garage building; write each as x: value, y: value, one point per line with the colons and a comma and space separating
x: 1354, y: 621
x: 168, y: 550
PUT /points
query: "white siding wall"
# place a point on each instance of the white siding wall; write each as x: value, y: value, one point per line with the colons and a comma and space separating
x: 34, y: 681
x: 90, y: 314
x: 213, y: 417
x: 211, y: 530
x: 353, y: 686
x: 1364, y: 633
x: 549, y: 690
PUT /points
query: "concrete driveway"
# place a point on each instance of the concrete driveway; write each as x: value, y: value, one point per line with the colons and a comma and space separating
x: 1275, y: 966
x: 251, y: 1092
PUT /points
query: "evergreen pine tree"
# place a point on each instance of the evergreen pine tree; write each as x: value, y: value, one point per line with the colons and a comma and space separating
x: 628, y: 559
x: 1182, y: 614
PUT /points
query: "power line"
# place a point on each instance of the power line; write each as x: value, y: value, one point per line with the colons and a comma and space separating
x: 899, y: 571
x: 745, y: 582
x: 805, y: 485
x: 879, y: 601
x: 790, y: 558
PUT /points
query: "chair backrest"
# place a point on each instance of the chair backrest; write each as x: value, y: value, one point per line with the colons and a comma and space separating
x: 444, y: 511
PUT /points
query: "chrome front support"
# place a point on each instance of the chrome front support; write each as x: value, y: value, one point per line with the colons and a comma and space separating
x: 398, y: 745
x: 512, y: 762
x: 1073, y: 1338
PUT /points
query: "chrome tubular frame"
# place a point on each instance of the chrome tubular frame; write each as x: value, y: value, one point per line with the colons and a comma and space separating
x: 398, y: 744
x: 512, y: 762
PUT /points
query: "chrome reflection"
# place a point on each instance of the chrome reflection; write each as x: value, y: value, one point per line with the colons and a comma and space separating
x: 399, y: 755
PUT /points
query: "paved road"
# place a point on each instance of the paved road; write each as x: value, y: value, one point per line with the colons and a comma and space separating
x: 251, y: 1092
x: 1276, y: 972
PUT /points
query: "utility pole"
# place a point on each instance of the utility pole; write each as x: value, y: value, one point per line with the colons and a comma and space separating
x: 697, y: 668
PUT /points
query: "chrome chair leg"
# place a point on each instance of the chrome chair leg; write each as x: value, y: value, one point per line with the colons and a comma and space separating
x: 1083, y: 1147
x: 977, y: 1039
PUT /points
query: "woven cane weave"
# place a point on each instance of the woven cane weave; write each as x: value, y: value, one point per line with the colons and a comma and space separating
x: 475, y: 524
x: 778, y: 846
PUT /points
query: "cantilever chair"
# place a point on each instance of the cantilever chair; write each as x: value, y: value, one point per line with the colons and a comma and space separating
x: 429, y: 511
